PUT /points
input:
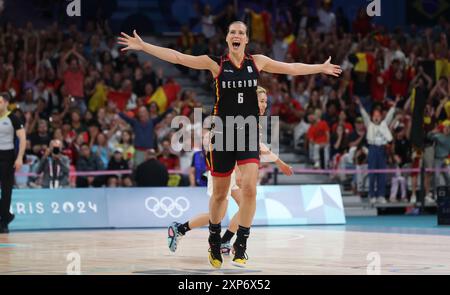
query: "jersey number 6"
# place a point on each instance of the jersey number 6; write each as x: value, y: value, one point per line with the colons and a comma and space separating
x: 240, y: 97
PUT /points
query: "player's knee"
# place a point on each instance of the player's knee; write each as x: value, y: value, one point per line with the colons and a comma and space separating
x: 219, y: 195
x: 248, y: 191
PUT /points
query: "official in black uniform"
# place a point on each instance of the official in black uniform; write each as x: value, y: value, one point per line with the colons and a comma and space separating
x: 236, y: 74
x: 10, y: 160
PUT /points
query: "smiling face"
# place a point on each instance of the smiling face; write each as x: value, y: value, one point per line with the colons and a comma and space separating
x: 262, y: 103
x: 237, y: 37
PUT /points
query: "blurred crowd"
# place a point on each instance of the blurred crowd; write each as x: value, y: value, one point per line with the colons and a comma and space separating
x: 88, y: 107
x: 323, y: 117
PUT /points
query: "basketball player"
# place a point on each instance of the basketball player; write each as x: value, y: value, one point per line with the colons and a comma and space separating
x: 177, y: 230
x: 236, y: 77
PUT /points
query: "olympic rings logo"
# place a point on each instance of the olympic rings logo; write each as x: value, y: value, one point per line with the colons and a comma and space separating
x: 167, y: 206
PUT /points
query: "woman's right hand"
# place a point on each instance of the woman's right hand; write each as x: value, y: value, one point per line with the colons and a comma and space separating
x: 131, y: 43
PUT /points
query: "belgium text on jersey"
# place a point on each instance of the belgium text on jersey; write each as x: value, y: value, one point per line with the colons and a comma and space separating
x: 240, y: 83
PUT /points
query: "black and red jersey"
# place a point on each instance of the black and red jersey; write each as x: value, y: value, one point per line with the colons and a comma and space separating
x: 235, y: 88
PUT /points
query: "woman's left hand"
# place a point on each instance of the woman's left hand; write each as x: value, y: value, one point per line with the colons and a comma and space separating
x: 331, y: 69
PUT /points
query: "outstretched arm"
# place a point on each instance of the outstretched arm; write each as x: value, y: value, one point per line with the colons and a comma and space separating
x: 285, y: 168
x: 364, y: 114
x: 267, y: 64
x: 202, y: 62
x: 391, y: 112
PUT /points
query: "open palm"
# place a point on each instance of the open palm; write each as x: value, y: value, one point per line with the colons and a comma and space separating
x: 287, y: 170
x: 331, y: 69
x: 131, y: 43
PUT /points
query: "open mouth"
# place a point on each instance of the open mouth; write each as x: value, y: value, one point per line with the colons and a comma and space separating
x: 236, y: 45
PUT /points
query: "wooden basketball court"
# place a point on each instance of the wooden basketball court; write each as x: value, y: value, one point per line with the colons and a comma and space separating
x: 271, y: 250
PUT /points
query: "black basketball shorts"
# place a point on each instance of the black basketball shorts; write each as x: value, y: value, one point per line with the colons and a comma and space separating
x: 231, y: 147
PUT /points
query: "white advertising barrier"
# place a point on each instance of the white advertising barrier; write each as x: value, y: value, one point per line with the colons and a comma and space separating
x: 158, y: 207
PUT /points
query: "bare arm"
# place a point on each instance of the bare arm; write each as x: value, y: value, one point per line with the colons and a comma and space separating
x: 390, y: 115
x: 81, y: 59
x: 407, y: 105
x: 408, y: 129
x: 270, y: 156
x: 267, y: 64
x: 440, y: 107
x: 434, y: 91
x: 63, y: 64
x: 33, y: 123
x: 192, y: 176
x: 22, y: 146
x: 202, y: 62
x: 429, y: 80
x: 363, y: 112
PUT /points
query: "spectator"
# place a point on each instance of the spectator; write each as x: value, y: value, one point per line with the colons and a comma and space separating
x: 41, y: 138
x: 198, y: 169
x: 441, y: 135
x: 88, y: 162
x: 163, y: 129
x: 125, y: 144
x: 151, y: 173
x: 280, y: 47
x: 77, y: 124
x: 168, y: 158
x: 224, y: 19
x: 361, y: 25
x: 398, y: 181
x: 339, y: 145
x: 150, y: 76
x: 54, y: 166
x: 327, y: 18
x: 28, y: 105
x: 378, y: 136
x: 314, y: 102
x: 383, y: 63
x: 207, y: 20
x: 143, y: 129
x: 72, y: 72
x: 319, y: 141
x: 99, y: 147
x: 117, y: 163
x: 331, y: 115
x: 342, y: 120
x: 305, y: 22
x: 300, y: 93
x: 290, y: 112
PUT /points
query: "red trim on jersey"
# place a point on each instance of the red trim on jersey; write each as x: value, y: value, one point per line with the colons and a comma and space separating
x: 242, y: 62
x: 254, y: 63
x: 211, y: 160
x: 216, y: 104
x: 220, y: 69
x: 226, y: 174
x: 248, y: 161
